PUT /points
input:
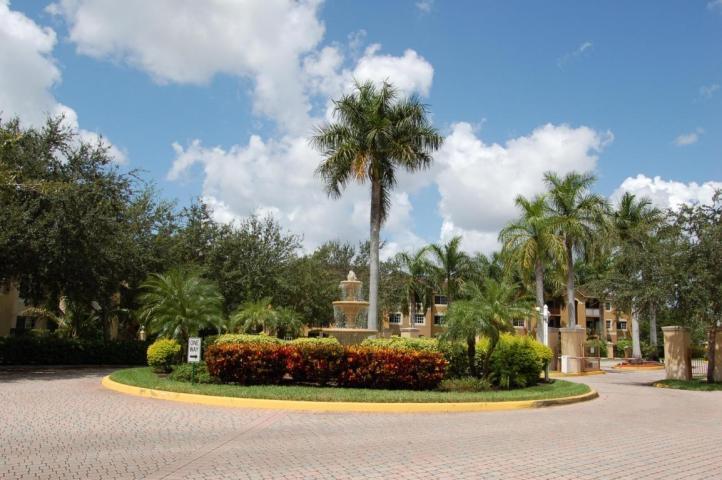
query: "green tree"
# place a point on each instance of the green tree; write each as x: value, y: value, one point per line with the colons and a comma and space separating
x: 453, y: 265
x: 373, y: 136
x: 531, y: 244
x: 487, y: 311
x: 417, y: 284
x: 179, y: 303
x: 260, y: 316
x: 577, y: 215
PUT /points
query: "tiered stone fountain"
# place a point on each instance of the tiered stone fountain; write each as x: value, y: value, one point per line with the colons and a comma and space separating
x: 350, y: 314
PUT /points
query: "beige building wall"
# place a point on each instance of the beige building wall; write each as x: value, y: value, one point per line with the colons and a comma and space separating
x: 10, y: 307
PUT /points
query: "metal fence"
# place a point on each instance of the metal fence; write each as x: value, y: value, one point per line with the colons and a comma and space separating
x: 699, y: 367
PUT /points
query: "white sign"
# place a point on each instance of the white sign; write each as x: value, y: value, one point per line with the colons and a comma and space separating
x: 194, y: 350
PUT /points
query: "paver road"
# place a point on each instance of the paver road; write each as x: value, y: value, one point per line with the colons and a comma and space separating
x: 63, y: 424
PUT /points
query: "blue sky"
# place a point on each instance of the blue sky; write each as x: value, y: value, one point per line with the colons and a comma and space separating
x: 622, y: 88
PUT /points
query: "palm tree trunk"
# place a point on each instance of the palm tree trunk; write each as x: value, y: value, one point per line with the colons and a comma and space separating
x: 636, y: 350
x: 539, y: 274
x: 653, y: 324
x: 571, y: 307
x: 374, y: 254
x: 471, y: 352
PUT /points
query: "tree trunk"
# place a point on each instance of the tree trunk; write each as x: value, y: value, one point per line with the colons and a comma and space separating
x: 539, y: 274
x: 653, y: 324
x: 636, y: 350
x: 711, y: 344
x: 374, y: 254
x: 471, y: 352
x: 571, y: 306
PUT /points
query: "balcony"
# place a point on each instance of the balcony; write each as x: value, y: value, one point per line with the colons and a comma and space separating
x: 592, y: 312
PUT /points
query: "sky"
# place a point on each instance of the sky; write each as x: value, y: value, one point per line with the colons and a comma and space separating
x: 217, y: 100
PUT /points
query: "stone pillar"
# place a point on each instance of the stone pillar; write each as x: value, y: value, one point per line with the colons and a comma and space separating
x: 718, y: 355
x: 610, y: 350
x: 572, y: 349
x: 554, y: 345
x: 677, y: 359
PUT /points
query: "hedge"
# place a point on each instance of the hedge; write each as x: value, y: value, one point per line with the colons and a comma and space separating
x: 246, y: 338
x: 247, y: 363
x: 53, y: 350
x: 163, y: 353
x: 315, y: 360
x: 388, y: 368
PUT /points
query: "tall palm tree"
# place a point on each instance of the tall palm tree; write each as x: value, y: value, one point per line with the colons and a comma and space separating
x: 484, y: 310
x: 531, y: 243
x: 179, y: 303
x: 374, y: 134
x: 633, y: 223
x: 453, y: 264
x: 417, y: 283
x: 577, y: 215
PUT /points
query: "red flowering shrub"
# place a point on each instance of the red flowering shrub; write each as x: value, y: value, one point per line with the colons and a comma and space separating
x: 315, y: 360
x: 370, y: 367
x: 247, y: 363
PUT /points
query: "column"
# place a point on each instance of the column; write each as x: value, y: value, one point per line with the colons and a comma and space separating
x: 677, y: 360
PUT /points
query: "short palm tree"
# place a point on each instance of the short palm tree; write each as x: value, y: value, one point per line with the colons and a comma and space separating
x: 417, y: 283
x: 373, y: 136
x: 531, y: 244
x: 179, y: 303
x: 260, y: 316
x: 577, y: 214
x: 488, y: 311
x: 454, y: 266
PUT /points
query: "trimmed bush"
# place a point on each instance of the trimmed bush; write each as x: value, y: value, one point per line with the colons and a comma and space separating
x: 402, y: 343
x: 163, y: 353
x: 515, y: 362
x: 599, y: 345
x: 247, y: 363
x: 457, y: 359
x: 370, y: 367
x: 465, y: 384
x: 236, y: 338
x: 182, y: 373
x: 315, y: 360
x: 53, y: 350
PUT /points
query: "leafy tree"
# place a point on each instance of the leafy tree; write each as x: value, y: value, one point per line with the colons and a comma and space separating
x: 531, y: 244
x: 417, y: 284
x: 454, y: 266
x: 576, y: 214
x: 179, y: 303
x: 487, y: 311
x: 374, y: 135
x: 260, y: 316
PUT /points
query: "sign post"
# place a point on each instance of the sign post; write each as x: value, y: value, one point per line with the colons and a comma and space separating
x: 194, y: 355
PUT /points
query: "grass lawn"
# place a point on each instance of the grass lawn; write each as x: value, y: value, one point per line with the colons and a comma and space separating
x: 698, y: 384
x: 144, y: 377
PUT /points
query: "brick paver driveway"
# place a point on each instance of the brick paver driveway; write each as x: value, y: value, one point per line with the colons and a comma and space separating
x: 63, y: 424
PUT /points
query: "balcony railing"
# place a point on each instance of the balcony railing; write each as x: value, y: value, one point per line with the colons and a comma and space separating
x: 592, y: 312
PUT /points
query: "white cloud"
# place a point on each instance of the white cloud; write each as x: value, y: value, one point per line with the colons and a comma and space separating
x: 706, y: 91
x: 688, y: 138
x: 667, y: 193
x: 29, y: 73
x: 714, y: 5
x: 409, y: 73
x: 190, y: 42
x: 578, y: 52
x: 425, y: 6
x: 478, y: 182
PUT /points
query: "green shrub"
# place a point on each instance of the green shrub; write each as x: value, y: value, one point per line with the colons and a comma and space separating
x: 456, y: 358
x: 403, y: 343
x: 465, y: 384
x: 247, y: 363
x: 622, y: 345
x: 163, y: 353
x: 246, y: 338
x: 182, y: 373
x: 698, y: 351
x: 515, y: 362
x: 315, y: 360
x: 49, y: 349
x: 389, y: 368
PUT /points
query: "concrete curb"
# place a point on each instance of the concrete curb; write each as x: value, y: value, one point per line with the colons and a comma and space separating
x: 580, y: 374
x: 358, y: 407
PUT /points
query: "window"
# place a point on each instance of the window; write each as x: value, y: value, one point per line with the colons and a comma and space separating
x: 419, y: 319
x: 609, y: 324
x: 608, y: 307
x: 518, y: 322
x: 440, y: 300
x: 395, y: 318
x: 439, y: 319
x: 621, y: 325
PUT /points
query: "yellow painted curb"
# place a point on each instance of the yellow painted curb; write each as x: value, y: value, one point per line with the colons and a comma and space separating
x: 308, y: 406
x: 580, y: 374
